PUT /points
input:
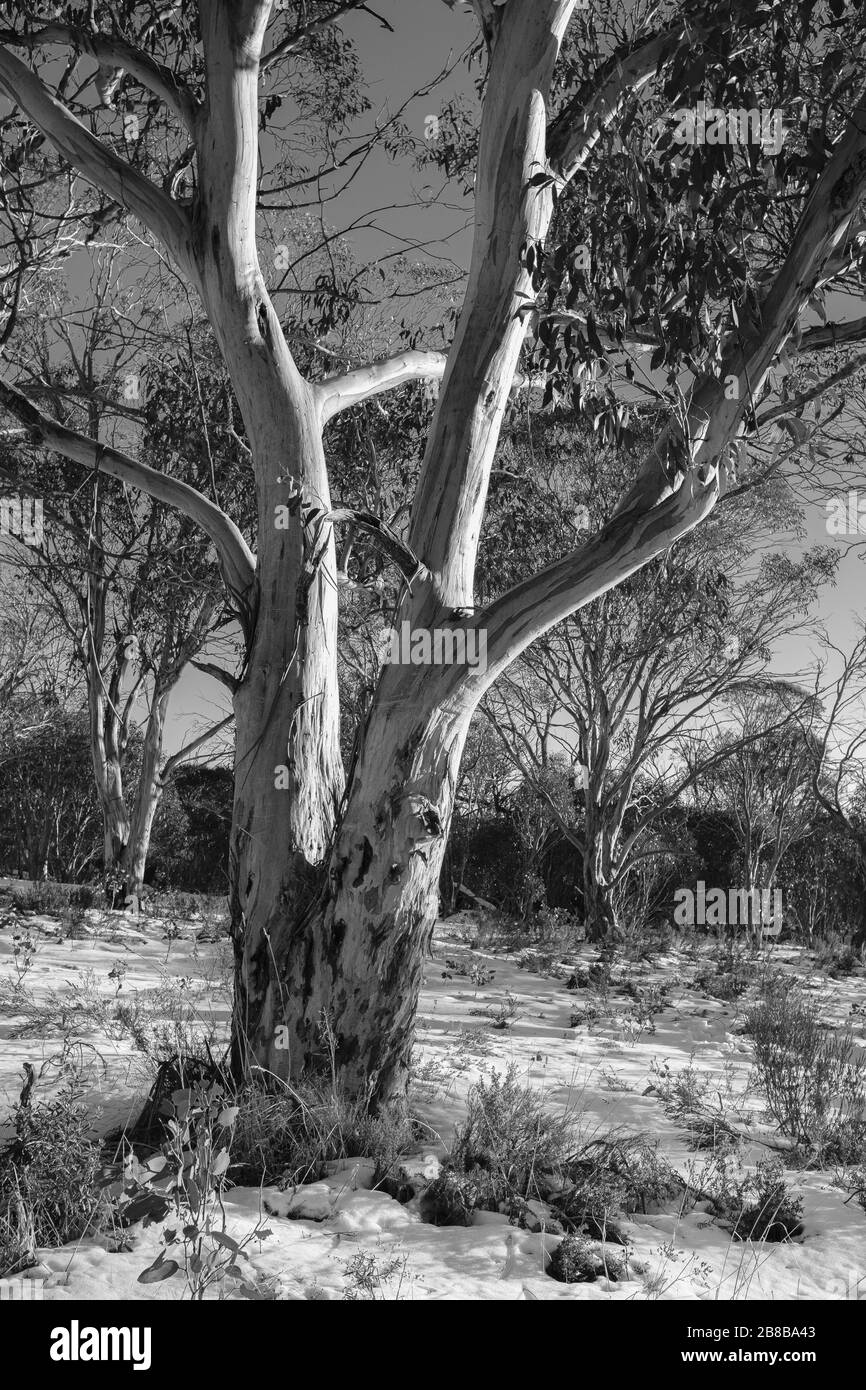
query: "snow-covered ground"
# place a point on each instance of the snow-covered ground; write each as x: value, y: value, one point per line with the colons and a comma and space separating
x: 605, y: 1072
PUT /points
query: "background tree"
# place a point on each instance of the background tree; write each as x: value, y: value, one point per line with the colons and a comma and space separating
x: 617, y: 689
x: 763, y: 775
x: 838, y: 740
x: 132, y: 582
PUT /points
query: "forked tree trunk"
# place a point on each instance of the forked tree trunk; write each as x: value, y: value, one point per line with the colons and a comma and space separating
x: 333, y: 901
x: 332, y: 956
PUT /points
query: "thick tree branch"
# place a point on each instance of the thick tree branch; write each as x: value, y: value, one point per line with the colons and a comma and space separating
x: 489, y: 17
x: 97, y: 164
x: 218, y: 673
x: 575, y: 132
x: 684, y: 473
x: 346, y: 389
x: 236, y: 561
x: 513, y: 207
x: 117, y: 53
x: 624, y: 545
x: 830, y: 335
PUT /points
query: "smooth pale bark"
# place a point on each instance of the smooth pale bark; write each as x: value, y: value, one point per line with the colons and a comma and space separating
x: 513, y: 208
x: 350, y: 965
x: 107, y: 746
x: 148, y: 796
x: 286, y: 706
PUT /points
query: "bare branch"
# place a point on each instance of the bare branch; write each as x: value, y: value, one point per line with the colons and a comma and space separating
x: 184, y: 754
x: 218, y: 673
x: 99, y: 165
x: 237, y: 564
x: 114, y: 52
x: 292, y: 42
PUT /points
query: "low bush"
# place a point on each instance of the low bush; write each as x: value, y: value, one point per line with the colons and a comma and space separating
x: 577, y: 1260
x: 759, y: 1205
x: 49, y: 1179
x: 725, y: 983
x: 501, y: 1153
x: 837, y: 958
x: 508, y: 1132
x: 288, y: 1135
x: 47, y: 899
x: 611, y: 1178
x: 453, y: 1197
x: 814, y: 1080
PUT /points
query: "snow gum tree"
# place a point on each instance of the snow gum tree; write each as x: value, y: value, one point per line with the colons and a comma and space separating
x: 334, y: 874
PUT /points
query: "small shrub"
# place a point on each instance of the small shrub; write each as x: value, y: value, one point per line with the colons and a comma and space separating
x: 577, y: 1260
x: 370, y: 1279
x: 837, y: 958
x: 500, y: 1152
x: 49, y: 1190
x: 508, y: 1132
x: 131, y: 1020
x: 724, y: 984
x: 501, y: 1015
x: 538, y: 962
x: 682, y: 1092
x: 814, y: 1081
x: 451, y: 1199
x: 612, y: 1178
x: 47, y: 899
x: 185, y: 1181
x: 759, y: 1206
x: 73, y: 923
x: 684, y: 1095
x: 853, y: 1180
x: 587, y: 1017
x: 82, y: 896
x: 287, y: 1136
x: 481, y: 974
x: 640, y: 1017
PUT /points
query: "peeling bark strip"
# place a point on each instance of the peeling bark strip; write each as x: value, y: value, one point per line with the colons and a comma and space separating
x: 333, y: 888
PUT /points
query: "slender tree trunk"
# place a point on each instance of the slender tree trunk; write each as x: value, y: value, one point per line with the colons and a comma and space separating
x: 133, y: 860
x: 106, y: 746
